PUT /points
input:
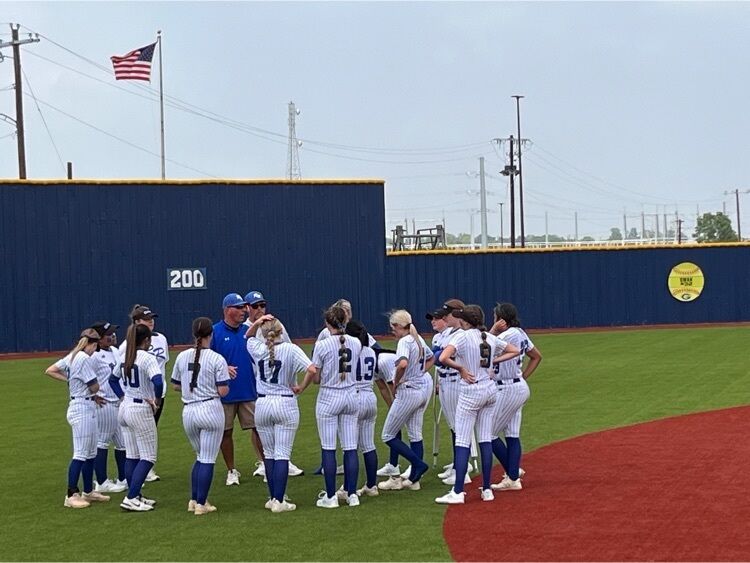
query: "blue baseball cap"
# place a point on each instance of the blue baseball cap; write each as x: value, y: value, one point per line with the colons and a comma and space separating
x: 254, y: 297
x: 232, y: 300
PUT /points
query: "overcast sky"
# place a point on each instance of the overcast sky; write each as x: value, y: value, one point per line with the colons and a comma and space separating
x: 629, y: 107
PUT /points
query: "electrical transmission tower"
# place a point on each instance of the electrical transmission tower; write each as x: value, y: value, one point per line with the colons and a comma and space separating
x: 293, y: 170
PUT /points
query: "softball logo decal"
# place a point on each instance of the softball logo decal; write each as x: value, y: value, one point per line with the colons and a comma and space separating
x: 685, y: 281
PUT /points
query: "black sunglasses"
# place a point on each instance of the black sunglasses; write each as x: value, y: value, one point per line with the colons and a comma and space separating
x: 258, y: 305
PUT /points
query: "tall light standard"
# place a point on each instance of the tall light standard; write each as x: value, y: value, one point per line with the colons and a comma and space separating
x: 520, y: 168
x: 502, y: 232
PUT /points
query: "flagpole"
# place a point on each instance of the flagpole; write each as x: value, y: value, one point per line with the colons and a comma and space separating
x: 161, y: 106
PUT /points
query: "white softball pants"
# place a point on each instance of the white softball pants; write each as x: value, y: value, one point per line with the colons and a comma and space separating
x: 138, y: 430
x: 449, y: 391
x: 204, y: 426
x: 336, y: 411
x: 476, y: 407
x: 511, y: 398
x: 277, y: 420
x: 368, y: 413
x: 408, y: 408
x: 109, y: 431
x: 82, y: 419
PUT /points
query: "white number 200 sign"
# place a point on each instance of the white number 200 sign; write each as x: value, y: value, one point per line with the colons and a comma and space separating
x: 186, y: 278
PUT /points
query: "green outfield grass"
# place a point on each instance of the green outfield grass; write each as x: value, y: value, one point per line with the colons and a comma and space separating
x: 587, y: 382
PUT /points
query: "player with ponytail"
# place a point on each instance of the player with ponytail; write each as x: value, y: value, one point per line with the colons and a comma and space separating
x: 202, y: 377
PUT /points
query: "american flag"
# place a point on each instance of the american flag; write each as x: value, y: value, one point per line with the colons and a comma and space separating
x: 136, y: 65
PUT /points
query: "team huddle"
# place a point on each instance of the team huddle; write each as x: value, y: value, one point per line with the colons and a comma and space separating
x: 245, y: 367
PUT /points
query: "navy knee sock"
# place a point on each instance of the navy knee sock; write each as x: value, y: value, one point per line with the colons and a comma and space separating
x: 205, y: 476
x: 269, y: 464
x: 100, y: 465
x: 351, y: 471
x: 194, y: 480
x: 130, y: 464
x: 485, y: 449
x: 514, y: 457
x: 461, y: 465
x: 501, y: 452
x: 393, y: 460
x: 329, y: 471
x: 418, y: 449
x: 280, y: 478
x: 405, y: 451
x: 120, y: 461
x: 74, y: 473
x: 87, y: 472
x: 371, y: 467
x: 453, y: 445
x: 135, y: 483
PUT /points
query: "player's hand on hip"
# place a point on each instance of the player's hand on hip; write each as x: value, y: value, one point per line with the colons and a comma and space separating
x: 232, y: 371
x: 466, y: 376
x: 99, y: 400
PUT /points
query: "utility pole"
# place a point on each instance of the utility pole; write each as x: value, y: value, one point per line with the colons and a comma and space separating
x: 502, y: 231
x: 510, y: 171
x: 483, y: 201
x: 575, y: 216
x: 18, y: 77
x: 520, y: 170
x: 679, y: 231
x: 736, y: 193
x: 546, y: 230
x: 643, y: 226
x: 293, y: 171
x: 624, y: 224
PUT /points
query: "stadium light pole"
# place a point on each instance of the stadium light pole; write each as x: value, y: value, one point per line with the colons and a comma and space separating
x: 520, y: 169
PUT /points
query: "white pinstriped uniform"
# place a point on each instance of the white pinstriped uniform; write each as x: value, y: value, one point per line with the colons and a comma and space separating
x: 386, y: 367
x: 476, y: 401
x: 448, y: 378
x: 276, y: 410
x: 159, y: 349
x: 82, y: 408
x: 413, y: 393
x: 63, y: 364
x: 511, y: 397
x: 202, y: 413
x: 368, y: 403
x: 325, y: 333
x: 106, y: 364
x: 337, y: 408
x: 136, y: 416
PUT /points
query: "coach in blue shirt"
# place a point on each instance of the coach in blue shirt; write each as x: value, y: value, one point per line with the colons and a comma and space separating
x: 229, y: 341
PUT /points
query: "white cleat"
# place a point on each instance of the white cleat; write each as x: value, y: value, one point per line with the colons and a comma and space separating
x: 340, y: 470
x: 389, y: 470
x: 93, y: 496
x: 487, y: 495
x: 449, y: 466
x: 341, y: 494
x: 409, y: 486
x: 325, y: 502
x: 353, y: 500
x: 452, y: 479
x: 508, y: 484
x: 260, y: 469
x: 191, y: 505
x: 521, y: 473
x: 392, y: 484
x: 233, y: 477
x: 148, y: 501
x: 152, y: 476
x: 108, y: 486
x: 76, y: 501
x: 405, y: 474
x: 451, y: 498
x: 201, y: 509
x: 447, y: 473
x: 284, y: 506
x: 120, y: 486
x: 270, y: 501
x: 368, y: 491
x: 295, y: 471
x: 135, y: 505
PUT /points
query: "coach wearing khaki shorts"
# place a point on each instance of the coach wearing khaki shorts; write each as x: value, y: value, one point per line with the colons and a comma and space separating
x: 229, y: 341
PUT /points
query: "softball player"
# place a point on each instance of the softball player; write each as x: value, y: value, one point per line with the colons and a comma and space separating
x: 276, y: 364
x: 413, y: 389
x: 384, y: 376
x: 159, y: 348
x: 106, y: 362
x: 474, y: 350
x: 513, y: 392
x: 142, y: 378
x: 447, y: 379
x: 83, y: 386
x: 333, y: 364
x: 202, y: 377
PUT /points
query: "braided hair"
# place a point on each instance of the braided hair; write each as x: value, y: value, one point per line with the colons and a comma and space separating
x: 202, y: 328
x: 271, y: 330
x: 336, y: 317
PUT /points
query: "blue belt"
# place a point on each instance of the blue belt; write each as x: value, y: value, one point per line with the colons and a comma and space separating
x: 84, y: 398
x: 262, y: 396
x: 515, y: 380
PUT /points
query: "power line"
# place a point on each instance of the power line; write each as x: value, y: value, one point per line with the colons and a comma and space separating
x: 44, y: 121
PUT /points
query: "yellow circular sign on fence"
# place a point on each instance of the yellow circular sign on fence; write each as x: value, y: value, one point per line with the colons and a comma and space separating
x: 685, y: 281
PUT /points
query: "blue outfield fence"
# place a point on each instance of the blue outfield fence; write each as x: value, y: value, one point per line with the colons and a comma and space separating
x: 74, y: 252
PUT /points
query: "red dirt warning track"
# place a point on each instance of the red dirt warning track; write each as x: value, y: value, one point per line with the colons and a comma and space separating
x: 671, y: 490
